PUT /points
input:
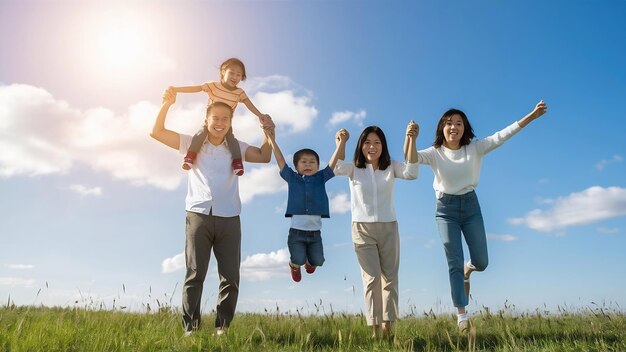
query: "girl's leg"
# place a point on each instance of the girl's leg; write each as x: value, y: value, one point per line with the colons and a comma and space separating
x: 366, y: 250
x: 474, y: 231
x: 447, y: 218
x: 235, y: 150
x: 389, y: 254
x: 196, y: 143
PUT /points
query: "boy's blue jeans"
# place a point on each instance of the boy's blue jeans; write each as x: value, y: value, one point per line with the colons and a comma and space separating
x: 458, y: 214
x: 305, y: 245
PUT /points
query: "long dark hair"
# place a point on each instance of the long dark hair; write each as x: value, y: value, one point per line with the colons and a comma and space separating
x: 359, y: 158
x: 468, y: 131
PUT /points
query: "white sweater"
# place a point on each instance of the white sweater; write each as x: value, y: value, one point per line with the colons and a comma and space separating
x: 458, y: 171
x: 371, y: 192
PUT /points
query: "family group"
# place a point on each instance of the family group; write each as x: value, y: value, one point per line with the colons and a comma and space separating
x: 214, y: 159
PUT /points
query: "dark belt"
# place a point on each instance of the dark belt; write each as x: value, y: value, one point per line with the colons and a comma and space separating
x: 294, y: 232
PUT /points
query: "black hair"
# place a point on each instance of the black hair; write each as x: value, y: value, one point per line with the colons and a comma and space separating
x: 468, y: 131
x: 306, y: 151
x: 359, y: 158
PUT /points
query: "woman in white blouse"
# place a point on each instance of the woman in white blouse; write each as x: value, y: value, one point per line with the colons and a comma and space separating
x: 456, y: 160
x: 374, y: 227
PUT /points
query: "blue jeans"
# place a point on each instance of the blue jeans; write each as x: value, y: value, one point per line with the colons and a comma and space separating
x: 458, y: 214
x: 305, y: 245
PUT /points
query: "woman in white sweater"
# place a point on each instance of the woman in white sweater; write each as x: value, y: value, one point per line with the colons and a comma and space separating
x: 374, y: 227
x: 456, y: 159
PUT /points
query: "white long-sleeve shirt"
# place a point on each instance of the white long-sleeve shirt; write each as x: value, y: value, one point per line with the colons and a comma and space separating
x: 371, y: 191
x: 458, y: 171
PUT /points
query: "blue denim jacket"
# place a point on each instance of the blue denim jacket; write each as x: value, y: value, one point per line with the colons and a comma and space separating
x: 307, y: 194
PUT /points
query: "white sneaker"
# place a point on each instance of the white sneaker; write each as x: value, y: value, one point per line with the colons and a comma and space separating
x: 220, y: 331
x: 188, y: 333
x: 463, y: 325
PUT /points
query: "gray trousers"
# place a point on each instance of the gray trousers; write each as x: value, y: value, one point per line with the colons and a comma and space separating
x: 223, y: 236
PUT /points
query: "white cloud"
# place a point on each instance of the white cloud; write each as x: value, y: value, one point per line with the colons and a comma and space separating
x: 603, y: 163
x: 175, y: 263
x: 20, y: 266
x: 344, y: 116
x: 260, y: 180
x: 42, y: 135
x: 340, y: 203
x: 503, y: 238
x: 86, y: 191
x: 589, y: 206
x: 288, y: 103
x: 265, y: 266
x: 16, y: 282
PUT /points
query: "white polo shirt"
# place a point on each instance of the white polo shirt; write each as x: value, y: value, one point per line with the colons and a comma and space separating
x: 211, y: 181
x: 371, y: 191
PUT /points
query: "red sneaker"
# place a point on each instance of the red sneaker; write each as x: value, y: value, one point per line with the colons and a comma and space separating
x: 237, y: 167
x: 296, y: 275
x: 310, y: 269
x: 190, y: 158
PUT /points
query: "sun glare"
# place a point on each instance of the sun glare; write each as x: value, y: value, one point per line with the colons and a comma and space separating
x: 120, y: 43
x: 121, y: 46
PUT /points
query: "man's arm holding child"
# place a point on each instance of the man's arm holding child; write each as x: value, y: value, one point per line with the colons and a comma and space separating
x: 159, y: 132
x: 264, y: 153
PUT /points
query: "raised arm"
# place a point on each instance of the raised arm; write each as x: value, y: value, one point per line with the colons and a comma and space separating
x: 341, y: 137
x: 262, y: 117
x: 264, y: 153
x: 270, y: 134
x: 539, y: 110
x: 188, y: 89
x: 159, y: 132
x: 410, y: 149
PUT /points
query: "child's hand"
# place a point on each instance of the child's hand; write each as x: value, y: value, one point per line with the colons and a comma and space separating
x: 263, y: 118
x: 342, y: 136
x: 169, y: 96
x: 540, y: 109
x: 412, y: 130
x: 270, y: 133
x: 267, y: 123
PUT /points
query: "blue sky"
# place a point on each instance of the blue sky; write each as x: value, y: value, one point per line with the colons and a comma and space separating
x: 93, y: 209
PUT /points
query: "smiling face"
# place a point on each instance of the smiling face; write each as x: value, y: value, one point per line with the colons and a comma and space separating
x: 372, y: 148
x: 307, y: 165
x: 219, y: 119
x: 453, y: 131
x: 232, y: 75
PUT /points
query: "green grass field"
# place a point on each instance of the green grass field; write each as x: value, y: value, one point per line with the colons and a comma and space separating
x: 593, y: 328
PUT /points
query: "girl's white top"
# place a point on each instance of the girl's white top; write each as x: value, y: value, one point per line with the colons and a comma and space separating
x: 371, y: 191
x: 458, y: 171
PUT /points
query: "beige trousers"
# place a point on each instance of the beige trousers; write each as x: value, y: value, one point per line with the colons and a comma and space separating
x: 377, y: 247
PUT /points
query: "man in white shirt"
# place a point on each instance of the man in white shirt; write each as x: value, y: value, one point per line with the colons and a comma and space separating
x: 213, y: 207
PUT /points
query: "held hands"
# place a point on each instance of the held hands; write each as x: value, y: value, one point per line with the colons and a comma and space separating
x: 265, y: 119
x: 412, y: 130
x: 169, y: 96
x: 341, y: 136
x: 205, y: 87
x: 539, y: 110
